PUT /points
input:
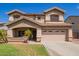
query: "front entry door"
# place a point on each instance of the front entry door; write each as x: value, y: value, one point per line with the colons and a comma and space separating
x: 20, y: 33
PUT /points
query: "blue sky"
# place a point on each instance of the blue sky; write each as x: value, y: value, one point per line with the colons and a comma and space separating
x: 70, y: 8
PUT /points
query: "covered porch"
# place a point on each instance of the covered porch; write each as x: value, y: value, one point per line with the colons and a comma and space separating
x: 16, y: 29
x: 19, y: 32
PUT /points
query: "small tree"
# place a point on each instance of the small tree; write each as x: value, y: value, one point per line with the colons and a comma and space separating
x: 28, y: 34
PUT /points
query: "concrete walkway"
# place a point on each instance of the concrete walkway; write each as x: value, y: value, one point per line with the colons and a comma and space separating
x: 29, y: 42
x: 62, y: 48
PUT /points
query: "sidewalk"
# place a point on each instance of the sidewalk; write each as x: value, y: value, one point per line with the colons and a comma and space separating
x: 29, y: 42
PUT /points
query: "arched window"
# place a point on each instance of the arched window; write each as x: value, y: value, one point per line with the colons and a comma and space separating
x: 54, y: 18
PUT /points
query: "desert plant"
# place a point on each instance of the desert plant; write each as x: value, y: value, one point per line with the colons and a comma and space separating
x: 28, y: 34
x: 3, y: 35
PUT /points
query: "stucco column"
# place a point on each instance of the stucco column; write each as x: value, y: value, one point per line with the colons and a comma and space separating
x: 61, y: 18
x: 38, y: 34
x: 70, y: 35
x: 9, y: 33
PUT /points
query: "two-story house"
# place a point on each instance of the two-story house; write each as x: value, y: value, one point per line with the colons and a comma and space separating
x: 46, y: 26
x: 74, y: 20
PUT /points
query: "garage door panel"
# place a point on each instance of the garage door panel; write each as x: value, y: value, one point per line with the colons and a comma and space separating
x: 56, y: 35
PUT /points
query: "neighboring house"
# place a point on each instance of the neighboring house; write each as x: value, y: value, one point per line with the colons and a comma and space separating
x: 49, y: 25
x: 74, y: 20
x: 2, y: 26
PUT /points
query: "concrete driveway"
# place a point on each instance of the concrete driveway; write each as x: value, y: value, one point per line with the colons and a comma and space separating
x: 61, y: 48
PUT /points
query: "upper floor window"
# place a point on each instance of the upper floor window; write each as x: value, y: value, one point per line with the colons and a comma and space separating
x: 16, y: 16
x: 38, y: 17
x: 54, y: 18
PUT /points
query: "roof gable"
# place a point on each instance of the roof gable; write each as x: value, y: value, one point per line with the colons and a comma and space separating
x: 15, y: 11
x: 55, y: 8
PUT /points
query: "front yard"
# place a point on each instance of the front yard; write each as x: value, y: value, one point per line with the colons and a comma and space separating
x: 22, y: 50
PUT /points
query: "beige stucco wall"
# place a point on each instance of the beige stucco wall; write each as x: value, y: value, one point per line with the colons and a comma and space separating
x: 39, y: 34
x: 41, y: 20
x: 9, y: 33
x: 70, y: 35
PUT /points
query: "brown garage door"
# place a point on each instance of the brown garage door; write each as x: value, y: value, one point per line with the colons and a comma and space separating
x: 55, y: 34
